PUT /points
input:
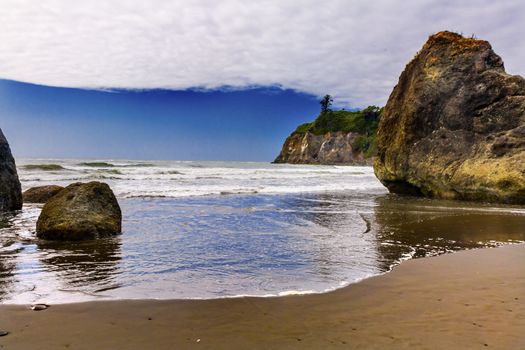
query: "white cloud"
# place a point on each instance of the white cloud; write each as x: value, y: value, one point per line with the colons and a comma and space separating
x: 354, y: 50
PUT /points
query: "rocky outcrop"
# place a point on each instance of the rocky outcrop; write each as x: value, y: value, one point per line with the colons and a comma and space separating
x: 10, y: 189
x: 80, y: 211
x: 41, y: 194
x: 454, y: 126
x: 330, y: 148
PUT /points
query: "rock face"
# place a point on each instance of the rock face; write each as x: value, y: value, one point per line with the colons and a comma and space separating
x: 41, y: 194
x: 10, y: 189
x: 454, y: 126
x: 80, y: 211
x: 330, y: 148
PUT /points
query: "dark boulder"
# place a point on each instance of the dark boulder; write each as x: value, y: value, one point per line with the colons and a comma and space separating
x: 454, y: 126
x: 41, y: 194
x: 10, y: 188
x: 80, y: 211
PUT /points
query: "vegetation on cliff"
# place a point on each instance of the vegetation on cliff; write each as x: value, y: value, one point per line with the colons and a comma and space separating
x: 363, y: 122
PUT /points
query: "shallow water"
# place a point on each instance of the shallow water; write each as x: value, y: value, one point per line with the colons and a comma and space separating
x: 276, y: 243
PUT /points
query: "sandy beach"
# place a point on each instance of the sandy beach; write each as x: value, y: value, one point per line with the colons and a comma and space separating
x: 466, y: 300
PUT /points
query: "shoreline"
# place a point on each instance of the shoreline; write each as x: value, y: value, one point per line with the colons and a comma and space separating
x: 468, y: 299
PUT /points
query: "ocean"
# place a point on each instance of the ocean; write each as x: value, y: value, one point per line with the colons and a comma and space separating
x: 200, y: 230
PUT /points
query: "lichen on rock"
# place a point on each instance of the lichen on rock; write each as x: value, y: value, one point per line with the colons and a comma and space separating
x: 454, y: 125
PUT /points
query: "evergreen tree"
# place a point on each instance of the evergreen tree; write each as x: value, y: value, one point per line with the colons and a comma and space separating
x: 326, y: 103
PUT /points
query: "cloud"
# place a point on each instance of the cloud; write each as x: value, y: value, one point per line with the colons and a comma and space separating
x: 354, y: 50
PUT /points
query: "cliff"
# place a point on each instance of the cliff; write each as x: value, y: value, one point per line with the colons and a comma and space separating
x: 335, y: 137
x: 329, y: 148
x: 454, y: 126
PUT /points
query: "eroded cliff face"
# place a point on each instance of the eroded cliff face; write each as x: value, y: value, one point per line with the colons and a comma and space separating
x: 330, y: 148
x: 454, y: 126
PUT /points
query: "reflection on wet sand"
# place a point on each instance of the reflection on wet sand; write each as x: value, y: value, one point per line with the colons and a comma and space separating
x: 87, y: 266
x: 6, y: 276
x: 401, y: 227
x: 7, y: 266
x: 423, y: 227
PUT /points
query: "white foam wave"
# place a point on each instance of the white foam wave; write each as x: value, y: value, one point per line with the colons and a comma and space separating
x: 130, y: 179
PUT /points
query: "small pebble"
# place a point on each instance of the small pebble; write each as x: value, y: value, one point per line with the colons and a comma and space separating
x: 3, y: 333
x: 39, y: 307
x: 198, y: 340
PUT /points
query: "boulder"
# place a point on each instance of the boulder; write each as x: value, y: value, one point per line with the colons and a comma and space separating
x: 10, y: 188
x: 41, y: 194
x: 454, y: 126
x: 80, y: 211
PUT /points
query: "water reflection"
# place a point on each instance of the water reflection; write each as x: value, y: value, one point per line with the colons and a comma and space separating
x: 90, y: 266
x: 215, y: 246
x: 7, y: 266
x: 340, y: 226
x: 423, y: 227
x: 6, y: 276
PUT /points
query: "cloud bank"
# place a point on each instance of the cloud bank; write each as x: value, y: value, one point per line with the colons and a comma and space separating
x: 354, y: 50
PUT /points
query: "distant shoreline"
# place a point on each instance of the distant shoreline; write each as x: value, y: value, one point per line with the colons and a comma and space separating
x: 467, y: 299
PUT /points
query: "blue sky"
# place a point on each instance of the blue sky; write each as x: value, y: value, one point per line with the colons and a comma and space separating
x: 248, y: 125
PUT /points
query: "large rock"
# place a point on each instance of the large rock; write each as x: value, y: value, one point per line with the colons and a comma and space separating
x: 10, y: 189
x: 454, y: 126
x: 41, y: 194
x: 330, y: 148
x: 80, y: 211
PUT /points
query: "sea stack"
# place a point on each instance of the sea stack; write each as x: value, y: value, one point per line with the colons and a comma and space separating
x: 454, y: 126
x: 10, y: 188
x: 80, y: 211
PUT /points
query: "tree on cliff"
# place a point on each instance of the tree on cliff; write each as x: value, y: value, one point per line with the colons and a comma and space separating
x: 326, y: 102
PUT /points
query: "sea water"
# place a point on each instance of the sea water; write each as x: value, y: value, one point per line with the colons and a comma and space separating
x: 196, y: 230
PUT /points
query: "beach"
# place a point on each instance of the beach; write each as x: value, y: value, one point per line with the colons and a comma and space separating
x: 472, y: 299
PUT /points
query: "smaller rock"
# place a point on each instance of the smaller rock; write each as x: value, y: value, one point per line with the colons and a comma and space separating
x: 80, y: 211
x: 41, y: 194
x: 3, y: 333
x: 420, y: 253
x: 39, y: 307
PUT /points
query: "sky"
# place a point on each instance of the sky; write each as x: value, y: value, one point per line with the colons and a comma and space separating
x: 212, y: 79
x: 246, y: 125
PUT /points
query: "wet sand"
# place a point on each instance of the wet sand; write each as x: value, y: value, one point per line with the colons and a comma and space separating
x: 466, y: 300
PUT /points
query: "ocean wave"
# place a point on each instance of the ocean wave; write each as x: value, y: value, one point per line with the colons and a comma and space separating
x: 136, y: 165
x: 97, y: 164
x: 110, y: 171
x: 174, y: 179
x: 43, y: 167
